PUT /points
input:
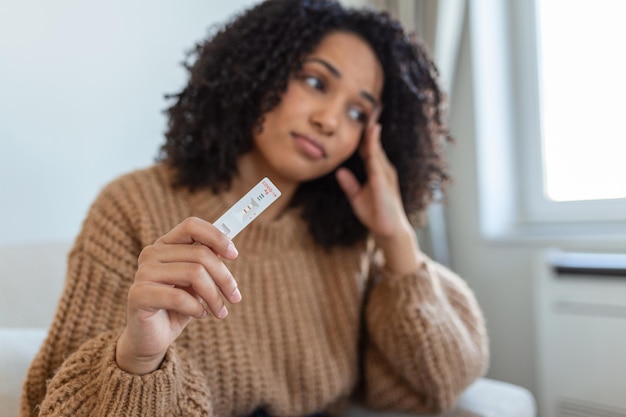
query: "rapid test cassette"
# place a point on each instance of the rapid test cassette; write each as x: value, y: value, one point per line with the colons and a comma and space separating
x: 247, y: 208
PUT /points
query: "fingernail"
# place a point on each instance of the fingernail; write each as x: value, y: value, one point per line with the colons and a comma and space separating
x: 232, y: 250
x: 223, y: 313
x: 235, y: 297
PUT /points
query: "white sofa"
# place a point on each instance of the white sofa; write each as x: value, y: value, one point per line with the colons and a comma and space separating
x: 31, y: 280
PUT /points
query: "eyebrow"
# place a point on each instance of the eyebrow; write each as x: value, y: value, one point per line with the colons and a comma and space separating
x: 337, y: 74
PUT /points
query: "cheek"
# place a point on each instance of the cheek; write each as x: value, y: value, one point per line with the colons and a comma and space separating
x: 294, y: 100
x: 350, y: 145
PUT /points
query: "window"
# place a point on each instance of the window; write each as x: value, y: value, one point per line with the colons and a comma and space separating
x: 549, y: 84
x: 580, y: 87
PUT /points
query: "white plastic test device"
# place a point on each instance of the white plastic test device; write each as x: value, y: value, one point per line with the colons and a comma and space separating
x: 248, y: 208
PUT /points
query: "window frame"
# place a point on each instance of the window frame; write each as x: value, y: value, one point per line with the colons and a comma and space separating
x: 508, y: 131
x: 536, y: 207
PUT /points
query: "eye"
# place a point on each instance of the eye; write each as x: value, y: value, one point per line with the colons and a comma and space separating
x: 357, y: 115
x: 314, y: 82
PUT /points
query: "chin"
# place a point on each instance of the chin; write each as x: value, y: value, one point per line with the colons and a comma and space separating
x: 302, y: 172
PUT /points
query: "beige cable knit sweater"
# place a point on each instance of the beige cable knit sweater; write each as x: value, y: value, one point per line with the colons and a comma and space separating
x: 309, y: 331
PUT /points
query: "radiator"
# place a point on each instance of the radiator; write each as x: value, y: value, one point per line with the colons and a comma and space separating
x: 581, y: 334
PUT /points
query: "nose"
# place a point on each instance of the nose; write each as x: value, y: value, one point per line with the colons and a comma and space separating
x: 326, y: 117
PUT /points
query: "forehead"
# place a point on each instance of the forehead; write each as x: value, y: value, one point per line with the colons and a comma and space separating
x: 354, y: 59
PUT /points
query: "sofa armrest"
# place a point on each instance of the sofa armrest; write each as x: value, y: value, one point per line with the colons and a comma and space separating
x: 484, y: 398
x: 18, y: 347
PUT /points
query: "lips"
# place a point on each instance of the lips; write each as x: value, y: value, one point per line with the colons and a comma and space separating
x: 310, y: 147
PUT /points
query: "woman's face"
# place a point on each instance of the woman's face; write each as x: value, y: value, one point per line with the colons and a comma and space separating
x: 321, y: 117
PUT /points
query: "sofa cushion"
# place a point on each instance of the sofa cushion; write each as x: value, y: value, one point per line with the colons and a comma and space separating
x: 484, y: 398
x: 31, y: 281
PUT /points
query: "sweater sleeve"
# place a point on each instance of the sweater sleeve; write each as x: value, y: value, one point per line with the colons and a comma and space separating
x: 426, y: 340
x: 74, y: 372
x: 90, y: 383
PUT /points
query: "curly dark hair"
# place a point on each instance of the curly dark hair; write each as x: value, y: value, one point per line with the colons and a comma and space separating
x: 240, y: 72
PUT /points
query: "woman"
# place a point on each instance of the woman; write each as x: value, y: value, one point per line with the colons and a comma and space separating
x: 326, y: 297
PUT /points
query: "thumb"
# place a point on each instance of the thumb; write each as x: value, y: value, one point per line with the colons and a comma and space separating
x: 348, y: 182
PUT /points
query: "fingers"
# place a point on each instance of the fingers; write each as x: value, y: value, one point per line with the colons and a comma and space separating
x: 376, y: 162
x: 150, y: 297
x: 186, y: 263
x: 205, y: 264
x: 373, y: 119
x: 193, y: 229
x: 194, y: 268
x: 371, y: 145
x: 348, y: 182
x: 374, y: 156
x: 372, y: 124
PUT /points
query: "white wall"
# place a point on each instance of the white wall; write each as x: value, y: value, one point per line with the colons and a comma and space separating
x: 81, y: 100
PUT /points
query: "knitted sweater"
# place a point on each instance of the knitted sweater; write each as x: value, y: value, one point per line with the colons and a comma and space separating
x: 313, y: 329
